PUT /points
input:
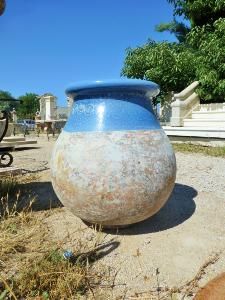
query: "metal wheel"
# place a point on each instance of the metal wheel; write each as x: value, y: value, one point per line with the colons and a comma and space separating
x: 6, y: 160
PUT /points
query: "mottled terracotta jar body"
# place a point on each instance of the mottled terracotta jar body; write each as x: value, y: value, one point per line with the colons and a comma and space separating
x: 113, y: 164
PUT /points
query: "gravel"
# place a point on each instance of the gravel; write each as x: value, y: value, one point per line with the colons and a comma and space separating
x: 173, y: 244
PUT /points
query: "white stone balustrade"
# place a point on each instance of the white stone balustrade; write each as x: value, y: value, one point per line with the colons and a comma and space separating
x: 183, y: 104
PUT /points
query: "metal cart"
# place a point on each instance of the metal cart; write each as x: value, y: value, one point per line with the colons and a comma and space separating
x: 6, y: 158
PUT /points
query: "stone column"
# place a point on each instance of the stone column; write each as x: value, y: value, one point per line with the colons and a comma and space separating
x: 48, y: 108
x: 42, y: 107
x: 14, y: 115
x: 50, y: 104
x: 183, y: 104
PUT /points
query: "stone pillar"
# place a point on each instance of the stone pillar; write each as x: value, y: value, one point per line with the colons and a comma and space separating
x: 37, y: 115
x: 14, y: 115
x: 183, y: 104
x: 51, y: 109
x: 48, y: 108
x: 42, y: 107
x: 177, y: 113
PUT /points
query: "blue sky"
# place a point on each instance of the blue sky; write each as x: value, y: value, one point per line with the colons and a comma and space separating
x: 47, y: 44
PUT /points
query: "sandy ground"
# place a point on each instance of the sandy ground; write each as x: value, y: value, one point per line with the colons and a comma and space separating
x: 177, y: 241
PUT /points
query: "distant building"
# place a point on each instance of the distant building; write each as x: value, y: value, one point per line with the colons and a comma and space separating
x: 49, y: 109
x: 62, y: 112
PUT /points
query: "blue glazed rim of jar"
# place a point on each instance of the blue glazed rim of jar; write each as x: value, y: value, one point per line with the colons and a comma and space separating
x: 148, y: 88
x: 112, y: 105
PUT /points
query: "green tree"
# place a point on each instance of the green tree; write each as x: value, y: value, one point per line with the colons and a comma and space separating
x: 29, y: 105
x: 210, y: 59
x: 200, y: 55
x: 199, y: 12
x: 171, y: 65
x: 4, y: 104
x: 5, y: 95
x: 179, y: 29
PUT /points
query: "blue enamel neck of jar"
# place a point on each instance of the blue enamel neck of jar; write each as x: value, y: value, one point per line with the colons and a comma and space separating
x: 113, y: 105
x: 147, y: 88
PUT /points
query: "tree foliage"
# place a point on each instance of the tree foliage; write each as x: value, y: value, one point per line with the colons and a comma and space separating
x: 6, y: 105
x: 200, y: 55
x: 199, y: 12
x: 178, y: 28
x: 5, y: 95
x: 210, y: 44
x: 171, y: 65
x: 26, y: 108
x: 29, y: 105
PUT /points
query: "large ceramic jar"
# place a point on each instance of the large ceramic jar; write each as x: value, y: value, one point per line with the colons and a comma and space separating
x: 113, y: 164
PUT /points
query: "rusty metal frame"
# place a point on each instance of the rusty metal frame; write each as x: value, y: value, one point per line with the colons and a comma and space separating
x: 6, y: 158
x: 6, y: 117
x: 5, y: 155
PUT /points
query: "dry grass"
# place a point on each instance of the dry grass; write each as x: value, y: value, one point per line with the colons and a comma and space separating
x: 32, y: 265
x: 206, y: 150
x: 11, y: 195
x: 51, y: 276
